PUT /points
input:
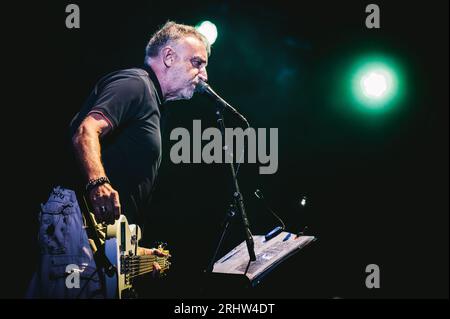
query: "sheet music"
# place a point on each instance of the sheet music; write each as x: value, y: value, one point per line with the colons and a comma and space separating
x: 268, y: 254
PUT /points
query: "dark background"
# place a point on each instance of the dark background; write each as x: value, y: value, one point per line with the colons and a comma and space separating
x: 377, y: 184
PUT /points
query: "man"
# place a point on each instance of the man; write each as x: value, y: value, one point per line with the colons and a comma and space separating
x: 116, y: 136
x: 116, y: 141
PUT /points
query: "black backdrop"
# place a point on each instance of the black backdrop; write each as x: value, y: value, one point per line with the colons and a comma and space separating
x: 377, y: 187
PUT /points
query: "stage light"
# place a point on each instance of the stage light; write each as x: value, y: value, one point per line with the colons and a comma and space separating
x: 375, y: 82
x: 208, y: 29
x: 367, y: 85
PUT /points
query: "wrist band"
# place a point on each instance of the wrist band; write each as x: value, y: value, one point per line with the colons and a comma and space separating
x: 96, y: 182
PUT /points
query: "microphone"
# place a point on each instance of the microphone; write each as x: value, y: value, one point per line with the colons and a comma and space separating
x: 205, y: 88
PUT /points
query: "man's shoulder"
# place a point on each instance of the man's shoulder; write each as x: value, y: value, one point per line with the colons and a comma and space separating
x: 142, y: 75
x: 135, y: 79
x: 139, y: 72
x: 123, y: 74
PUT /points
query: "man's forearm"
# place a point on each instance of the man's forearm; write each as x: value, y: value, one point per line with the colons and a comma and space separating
x: 86, y: 144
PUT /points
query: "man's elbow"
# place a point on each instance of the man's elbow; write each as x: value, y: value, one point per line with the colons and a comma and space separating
x: 82, y: 134
x: 76, y: 138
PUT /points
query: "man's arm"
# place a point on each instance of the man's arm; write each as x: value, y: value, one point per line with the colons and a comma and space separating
x: 86, y: 143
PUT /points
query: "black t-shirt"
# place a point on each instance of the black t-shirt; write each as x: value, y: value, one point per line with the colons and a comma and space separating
x: 130, y: 101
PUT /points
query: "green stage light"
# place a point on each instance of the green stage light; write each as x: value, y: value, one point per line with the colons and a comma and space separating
x: 376, y: 83
x: 208, y: 29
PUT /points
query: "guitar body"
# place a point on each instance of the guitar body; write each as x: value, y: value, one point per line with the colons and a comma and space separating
x: 116, y: 251
x: 121, y: 247
x: 119, y: 244
x: 112, y: 291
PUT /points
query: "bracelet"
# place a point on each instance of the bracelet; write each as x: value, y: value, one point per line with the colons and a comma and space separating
x: 96, y: 182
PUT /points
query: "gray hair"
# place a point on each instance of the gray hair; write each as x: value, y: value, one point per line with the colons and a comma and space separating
x: 172, y: 31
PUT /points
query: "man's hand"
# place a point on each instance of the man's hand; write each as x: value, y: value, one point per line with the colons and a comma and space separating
x: 86, y: 143
x: 147, y: 251
x: 106, y: 203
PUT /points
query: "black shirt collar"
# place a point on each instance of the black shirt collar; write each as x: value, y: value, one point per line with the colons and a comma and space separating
x: 155, y: 81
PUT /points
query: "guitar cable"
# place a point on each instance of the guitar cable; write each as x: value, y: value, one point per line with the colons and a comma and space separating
x: 87, y: 281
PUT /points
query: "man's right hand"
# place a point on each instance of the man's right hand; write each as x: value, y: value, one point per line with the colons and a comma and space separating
x: 105, y: 201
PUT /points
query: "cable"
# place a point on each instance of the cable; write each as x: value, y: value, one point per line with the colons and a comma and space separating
x: 260, y: 196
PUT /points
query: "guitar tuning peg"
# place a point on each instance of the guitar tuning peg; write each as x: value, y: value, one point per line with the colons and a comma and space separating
x: 161, y: 245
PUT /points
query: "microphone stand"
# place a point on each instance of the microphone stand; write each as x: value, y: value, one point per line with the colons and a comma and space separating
x: 238, y: 204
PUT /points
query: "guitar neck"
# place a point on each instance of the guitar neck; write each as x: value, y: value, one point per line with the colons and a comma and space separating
x: 139, y: 265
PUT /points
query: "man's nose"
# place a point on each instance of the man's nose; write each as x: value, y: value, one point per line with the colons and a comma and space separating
x: 203, y: 75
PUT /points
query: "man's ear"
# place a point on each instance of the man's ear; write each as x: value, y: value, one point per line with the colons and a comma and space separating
x: 168, y: 56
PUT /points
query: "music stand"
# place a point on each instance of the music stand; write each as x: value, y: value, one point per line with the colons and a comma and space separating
x: 269, y: 254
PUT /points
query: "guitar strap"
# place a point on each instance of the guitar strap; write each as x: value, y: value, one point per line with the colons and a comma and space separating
x: 93, y: 231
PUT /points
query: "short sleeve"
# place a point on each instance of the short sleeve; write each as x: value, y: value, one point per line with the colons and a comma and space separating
x: 118, y: 101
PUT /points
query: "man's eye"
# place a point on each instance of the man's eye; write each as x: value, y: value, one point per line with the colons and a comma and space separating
x: 196, y: 63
